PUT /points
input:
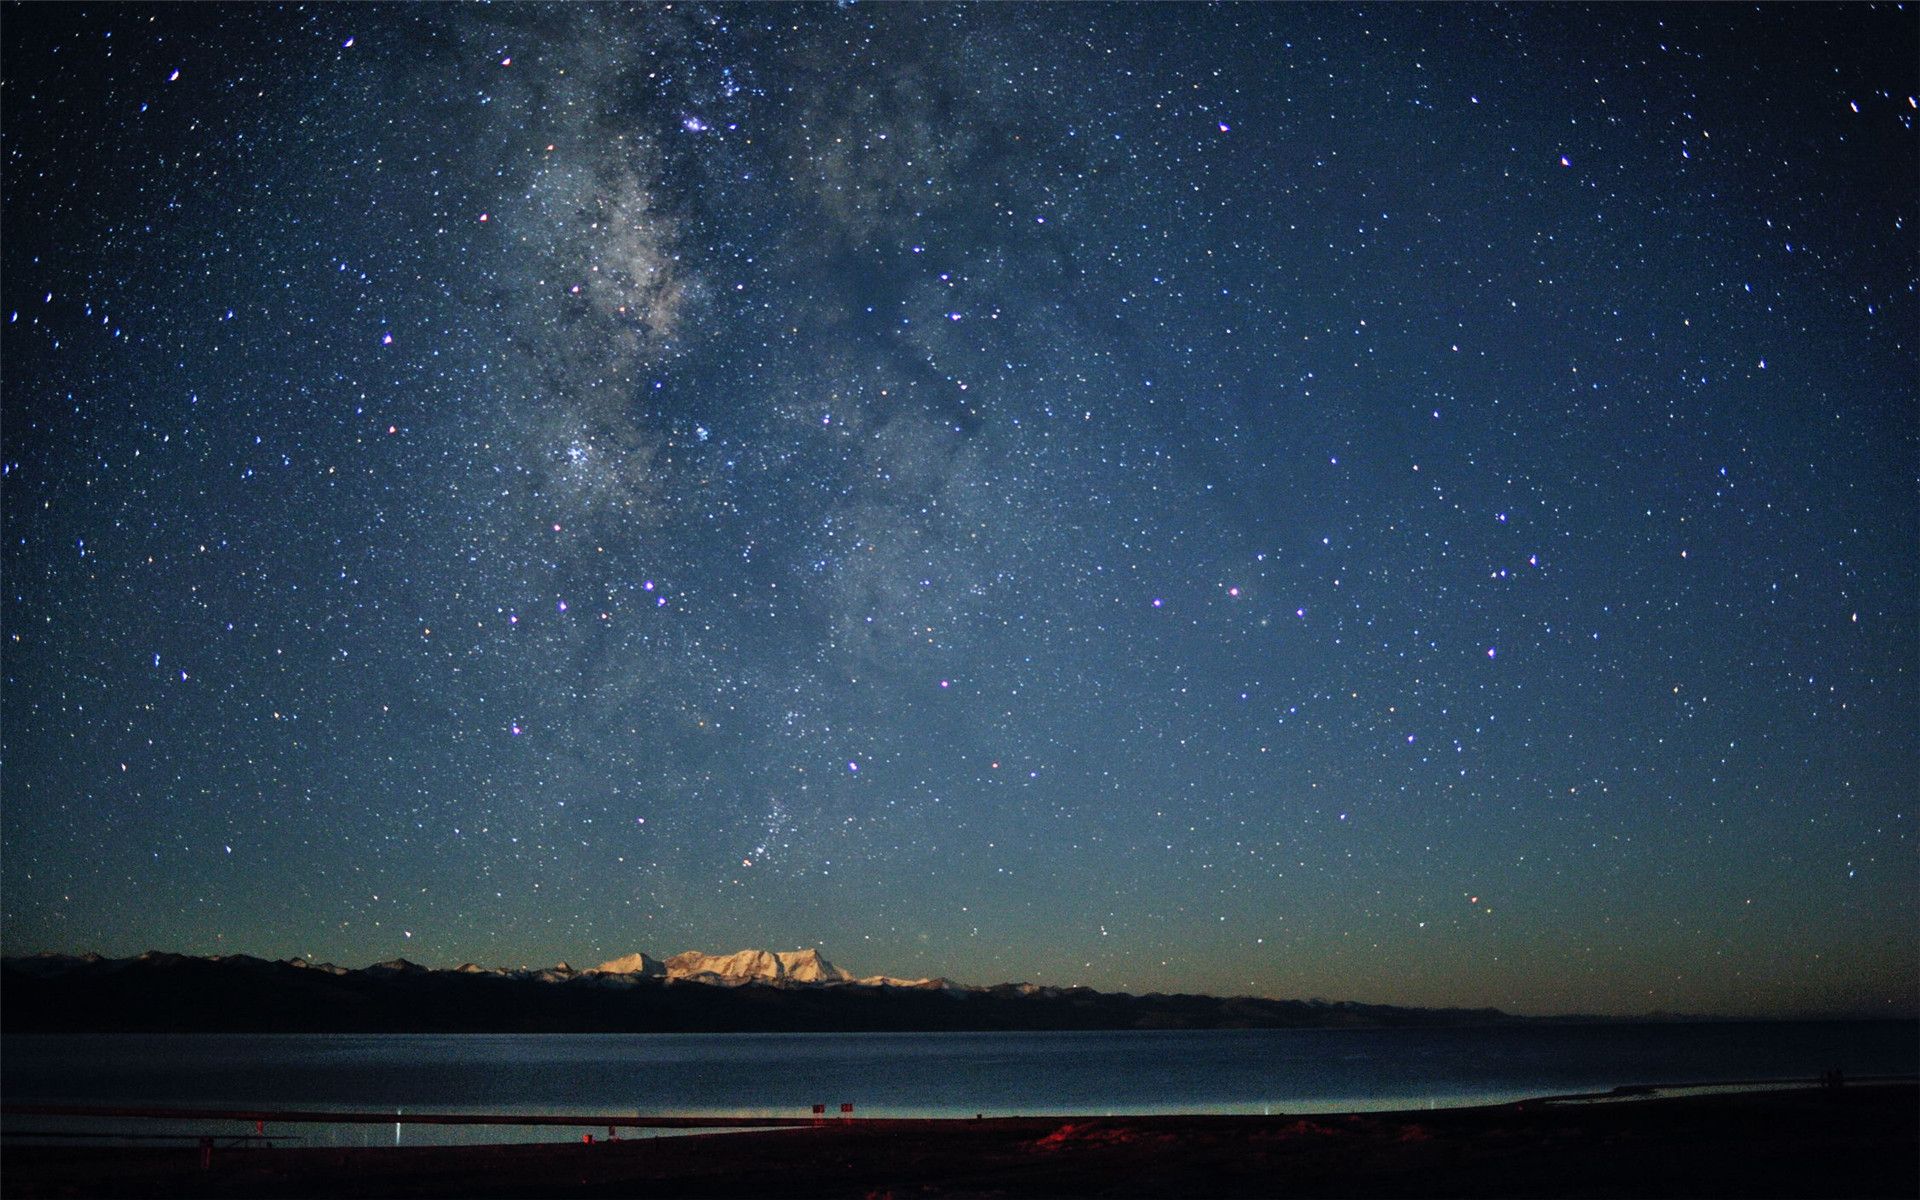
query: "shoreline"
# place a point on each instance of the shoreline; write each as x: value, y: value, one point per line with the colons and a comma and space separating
x: 1859, y: 1140
x: 278, y: 1117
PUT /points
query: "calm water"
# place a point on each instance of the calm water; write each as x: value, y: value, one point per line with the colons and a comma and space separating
x: 919, y: 1074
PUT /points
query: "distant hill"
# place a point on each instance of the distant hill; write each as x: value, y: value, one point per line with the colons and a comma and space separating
x: 750, y: 991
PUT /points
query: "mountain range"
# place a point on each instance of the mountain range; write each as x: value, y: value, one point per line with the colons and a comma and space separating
x: 750, y: 990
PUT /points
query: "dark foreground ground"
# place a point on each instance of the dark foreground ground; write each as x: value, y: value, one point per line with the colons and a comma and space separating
x: 1861, y: 1141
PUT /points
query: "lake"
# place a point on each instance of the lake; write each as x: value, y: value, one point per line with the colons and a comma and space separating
x: 934, y: 1074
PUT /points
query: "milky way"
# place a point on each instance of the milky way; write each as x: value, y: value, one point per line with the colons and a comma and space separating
x: 1411, y: 505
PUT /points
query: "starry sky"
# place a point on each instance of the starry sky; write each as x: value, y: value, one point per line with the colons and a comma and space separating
x: 1406, y: 504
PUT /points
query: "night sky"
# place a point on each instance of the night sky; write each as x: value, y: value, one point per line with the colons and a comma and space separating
x: 1401, y: 504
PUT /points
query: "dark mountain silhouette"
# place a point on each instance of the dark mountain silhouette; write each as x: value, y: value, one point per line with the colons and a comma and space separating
x: 176, y: 993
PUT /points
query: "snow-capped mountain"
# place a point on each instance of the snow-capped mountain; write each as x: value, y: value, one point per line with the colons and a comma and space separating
x: 936, y: 983
x: 756, y: 966
x: 307, y: 964
x: 742, y: 966
x: 644, y: 965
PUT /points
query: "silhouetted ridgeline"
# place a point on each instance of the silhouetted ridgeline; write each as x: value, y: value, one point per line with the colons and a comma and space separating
x: 174, y: 993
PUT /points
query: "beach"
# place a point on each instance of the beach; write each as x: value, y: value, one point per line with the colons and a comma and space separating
x: 1861, y: 1140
